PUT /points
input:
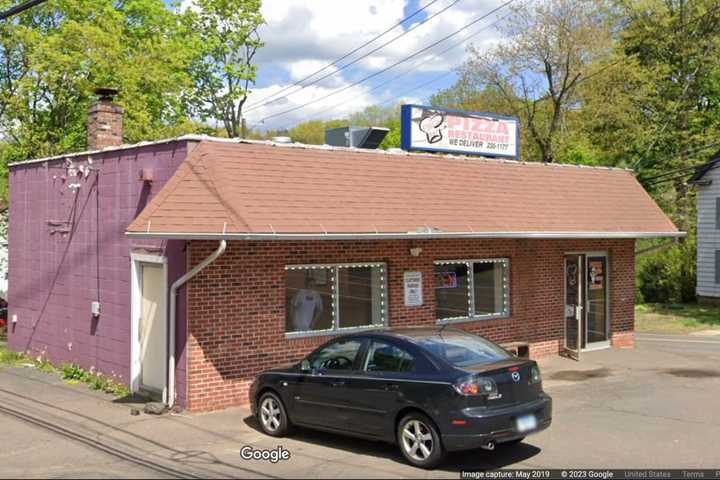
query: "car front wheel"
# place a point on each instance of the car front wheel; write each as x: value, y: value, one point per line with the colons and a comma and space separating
x: 419, y: 441
x: 272, y: 416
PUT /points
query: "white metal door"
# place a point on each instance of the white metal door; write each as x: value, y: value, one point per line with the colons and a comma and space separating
x: 152, y: 327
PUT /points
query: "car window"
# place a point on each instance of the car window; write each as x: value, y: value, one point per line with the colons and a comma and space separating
x: 383, y: 357
x: 336, y: 356
x: 463, y: 350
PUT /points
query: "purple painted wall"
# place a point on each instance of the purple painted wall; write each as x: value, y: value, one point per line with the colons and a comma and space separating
x: 67, y: 248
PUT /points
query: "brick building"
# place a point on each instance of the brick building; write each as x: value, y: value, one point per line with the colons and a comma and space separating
x: 186, y: 266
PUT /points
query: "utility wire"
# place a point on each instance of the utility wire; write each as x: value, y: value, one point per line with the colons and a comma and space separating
x: 418, y: 87
x: 274, y: 97
x: 414, y: 67
x: 399, y: 62
x: 665, y: 180
x: 642, y: 158
x: 346, y: 55
x: 674, y: 171
x: 10, y: 12
x: 672, y: 179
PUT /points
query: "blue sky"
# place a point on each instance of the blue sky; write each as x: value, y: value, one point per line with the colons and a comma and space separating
x: 302, y: 36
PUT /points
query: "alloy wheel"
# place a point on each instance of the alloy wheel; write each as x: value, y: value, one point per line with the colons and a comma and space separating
x: 417, y: 440
x: 270, y: 414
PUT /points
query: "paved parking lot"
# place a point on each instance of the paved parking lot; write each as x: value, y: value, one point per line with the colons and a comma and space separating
x: 652, y: 406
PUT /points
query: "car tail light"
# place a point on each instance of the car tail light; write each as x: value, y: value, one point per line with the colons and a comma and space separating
x: 474, y: 386
x: 535, y: 375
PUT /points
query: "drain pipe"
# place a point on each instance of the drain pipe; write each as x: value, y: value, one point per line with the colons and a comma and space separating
x: 173, y: 311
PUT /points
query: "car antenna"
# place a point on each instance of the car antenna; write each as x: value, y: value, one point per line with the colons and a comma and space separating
x: 441, y: 329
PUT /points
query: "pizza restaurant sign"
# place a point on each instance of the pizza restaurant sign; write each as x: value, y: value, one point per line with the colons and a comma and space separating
x: 440, y: 130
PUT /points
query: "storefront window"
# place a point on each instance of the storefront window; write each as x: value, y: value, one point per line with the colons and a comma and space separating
x: 490, y: 283
x: 322, y: 298
x: 361, y: 296
x: 310, y: 299
x: 460, y: 296
x: 451, y: 290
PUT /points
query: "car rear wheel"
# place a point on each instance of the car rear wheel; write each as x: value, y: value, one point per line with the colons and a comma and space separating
x: 272, y: 416
x: 419, y: 441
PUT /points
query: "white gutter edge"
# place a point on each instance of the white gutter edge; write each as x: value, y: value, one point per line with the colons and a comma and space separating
x: 383, y: 236
x: 173, y: 311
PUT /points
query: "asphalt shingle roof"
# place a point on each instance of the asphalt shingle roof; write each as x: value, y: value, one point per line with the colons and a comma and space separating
x: 261, y: 188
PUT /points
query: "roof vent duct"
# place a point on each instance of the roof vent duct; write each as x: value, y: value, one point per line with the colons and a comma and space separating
x: 357, y: 137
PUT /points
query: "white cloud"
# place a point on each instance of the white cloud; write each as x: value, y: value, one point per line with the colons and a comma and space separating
x: 326, y: 107
x: 303, y: 36
x: 324, y: 30
x: 307, y: 68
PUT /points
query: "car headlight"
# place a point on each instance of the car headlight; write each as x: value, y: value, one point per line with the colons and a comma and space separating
x: 535, y: 375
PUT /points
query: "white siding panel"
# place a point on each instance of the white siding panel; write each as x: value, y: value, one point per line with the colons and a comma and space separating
x: 708, y: 235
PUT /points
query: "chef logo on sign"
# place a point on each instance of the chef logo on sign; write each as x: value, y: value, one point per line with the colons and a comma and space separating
x: 431, y: 123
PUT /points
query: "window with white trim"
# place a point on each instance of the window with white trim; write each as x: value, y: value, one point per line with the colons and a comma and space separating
x: 334, y: 297
x: 472, y: 289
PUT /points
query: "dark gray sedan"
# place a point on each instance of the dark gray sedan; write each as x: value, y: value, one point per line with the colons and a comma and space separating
x: 428, y: 390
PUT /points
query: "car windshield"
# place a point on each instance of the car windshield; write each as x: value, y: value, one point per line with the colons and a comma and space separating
x: 462, y: 349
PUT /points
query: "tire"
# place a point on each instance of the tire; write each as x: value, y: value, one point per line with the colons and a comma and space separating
x: 271, y: 415
x: 428, y: 452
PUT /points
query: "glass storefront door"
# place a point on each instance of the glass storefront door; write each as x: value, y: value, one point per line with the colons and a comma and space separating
x: 586, y: 302
x: 596, y: 331
x: 574, y: 303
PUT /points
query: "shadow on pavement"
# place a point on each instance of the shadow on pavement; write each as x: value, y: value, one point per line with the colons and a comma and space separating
x: 133, y: 398
x: 468, y: 460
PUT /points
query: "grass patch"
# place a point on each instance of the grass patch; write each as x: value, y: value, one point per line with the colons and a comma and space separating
x: 73, y: 373
x: 69, y: 372
x: 676, y: 318
x: 8, y: 357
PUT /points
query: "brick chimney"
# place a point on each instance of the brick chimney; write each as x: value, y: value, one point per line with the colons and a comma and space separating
x: 104, y: 122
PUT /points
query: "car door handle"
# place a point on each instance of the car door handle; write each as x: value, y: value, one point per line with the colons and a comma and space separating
x: 392, y: 387
x: 337, y: 383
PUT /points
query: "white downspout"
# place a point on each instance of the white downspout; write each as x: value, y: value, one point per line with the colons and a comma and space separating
x: 173, y: 311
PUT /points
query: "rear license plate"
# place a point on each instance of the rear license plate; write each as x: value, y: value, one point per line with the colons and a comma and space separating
x: 525, y: 423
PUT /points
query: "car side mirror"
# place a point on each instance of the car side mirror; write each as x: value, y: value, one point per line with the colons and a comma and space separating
x: 305, y: 366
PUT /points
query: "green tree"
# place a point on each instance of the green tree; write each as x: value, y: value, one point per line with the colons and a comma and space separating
x: 312, y: 132
x: 551, y: 45
x: 380, y: 116
x: 226, y: 41
x: 676, y: 44
x: 54, y: 55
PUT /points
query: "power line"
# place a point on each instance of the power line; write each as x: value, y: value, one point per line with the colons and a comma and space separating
x: 415, y: 66
x: 19, y: 8
x: 643, y: 157
x: 267, y: 100
x: 347, y: 54
x: 466, y: 26
x: 665, y: 180
x: 683, y: 169
x: 418, y: 87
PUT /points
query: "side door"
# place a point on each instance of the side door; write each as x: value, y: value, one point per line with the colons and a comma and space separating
x: 378, y: 390
x: 321, y: 397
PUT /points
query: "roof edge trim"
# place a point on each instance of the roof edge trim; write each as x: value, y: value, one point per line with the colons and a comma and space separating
x: 192, y: 137
x: 398, y: 235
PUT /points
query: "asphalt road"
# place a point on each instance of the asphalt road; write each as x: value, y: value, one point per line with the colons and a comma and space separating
x: 654, y: 406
